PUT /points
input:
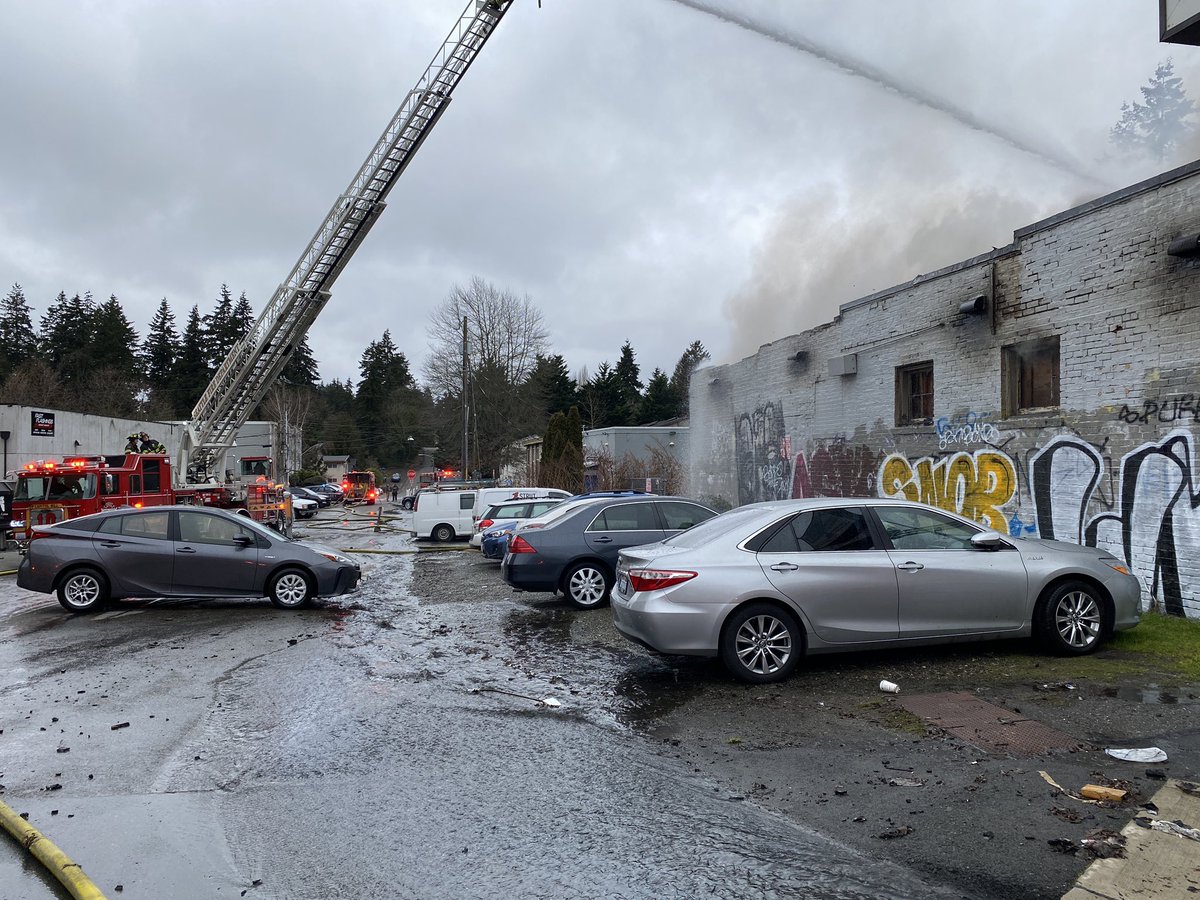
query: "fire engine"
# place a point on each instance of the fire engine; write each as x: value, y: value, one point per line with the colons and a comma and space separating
x: 46, y: 492
x: 359, y: 487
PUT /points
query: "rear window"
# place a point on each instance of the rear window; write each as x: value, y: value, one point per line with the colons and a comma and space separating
x: 726, y: 522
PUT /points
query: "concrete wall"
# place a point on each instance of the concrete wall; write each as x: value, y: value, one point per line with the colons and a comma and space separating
x: 1110, y: 466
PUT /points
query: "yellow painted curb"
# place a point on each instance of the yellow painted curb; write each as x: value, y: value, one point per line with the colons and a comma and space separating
x: 9, y: 572
x: 56, y: 862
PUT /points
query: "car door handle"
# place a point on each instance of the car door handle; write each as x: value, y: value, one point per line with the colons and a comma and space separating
x: 602, y: 540
x: 110, y: 543
x: 784, y: 567
x: 184, y: 550
x: 910, y: 567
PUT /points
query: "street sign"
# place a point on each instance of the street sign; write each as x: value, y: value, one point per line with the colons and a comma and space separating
x: 412, y: 473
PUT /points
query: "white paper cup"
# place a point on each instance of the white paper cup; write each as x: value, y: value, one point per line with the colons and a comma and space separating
x: 889, y: 687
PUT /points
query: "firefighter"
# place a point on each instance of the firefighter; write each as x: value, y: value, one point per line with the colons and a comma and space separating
x: 131, y: 445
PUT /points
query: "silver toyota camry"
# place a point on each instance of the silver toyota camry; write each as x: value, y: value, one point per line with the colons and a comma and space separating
x: 764, y: 584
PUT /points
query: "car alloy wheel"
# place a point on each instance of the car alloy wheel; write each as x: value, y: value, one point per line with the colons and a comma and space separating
x: 290, y: 589
x: 1072, y: 619
x: 83, y: 591
x: 761, y: 643
x: 587, y: 586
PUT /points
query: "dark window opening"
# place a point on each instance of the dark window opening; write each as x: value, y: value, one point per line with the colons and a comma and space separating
x: 914, y: 394
x: 1029, y: 372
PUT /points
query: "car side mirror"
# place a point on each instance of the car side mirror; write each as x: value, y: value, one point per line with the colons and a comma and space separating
x: 243, y: 540
x: 988, y: 540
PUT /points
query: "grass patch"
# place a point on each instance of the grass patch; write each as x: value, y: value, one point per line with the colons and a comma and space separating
x: 1168, y: 641
x: 900, y: 719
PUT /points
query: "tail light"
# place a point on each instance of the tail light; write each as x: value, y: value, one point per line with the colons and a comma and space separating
x: 345, y: 486
x: 520, y: 545
x: 657, y: 579
x: 486, y: 523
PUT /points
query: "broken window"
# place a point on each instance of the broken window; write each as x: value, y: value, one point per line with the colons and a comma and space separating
x: 914, y: 394
x: 1029, y: 373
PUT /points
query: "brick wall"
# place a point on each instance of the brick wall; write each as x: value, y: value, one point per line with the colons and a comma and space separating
x: 1110, y: 465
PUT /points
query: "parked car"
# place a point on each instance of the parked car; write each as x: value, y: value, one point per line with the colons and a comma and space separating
x: 764, y: 584
x: 302, y: 507
x: 486, y: 498
x: 178, y: 551
x: 322, y: 500
x: 443, y: 515
x: 575, y: 551
x: 510, y: 511
x: 333, y: 491
x: 495, y: 541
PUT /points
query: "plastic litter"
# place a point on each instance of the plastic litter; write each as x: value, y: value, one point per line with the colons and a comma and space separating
x: 1139, y: 755
x: 889, y: 687
x: 1176, y: 827
x: 551, y: 702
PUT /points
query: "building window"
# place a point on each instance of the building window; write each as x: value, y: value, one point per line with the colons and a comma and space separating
x: 1029, y: 372
x: 914, y: 394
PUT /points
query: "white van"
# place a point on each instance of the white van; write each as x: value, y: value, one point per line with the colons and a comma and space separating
x: 486, y: 498
x: 443, y: 515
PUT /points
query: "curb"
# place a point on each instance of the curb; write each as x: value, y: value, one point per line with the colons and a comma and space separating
x: 57, y: 863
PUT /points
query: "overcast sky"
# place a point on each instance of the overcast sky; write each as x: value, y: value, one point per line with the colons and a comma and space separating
x: 640, y: 169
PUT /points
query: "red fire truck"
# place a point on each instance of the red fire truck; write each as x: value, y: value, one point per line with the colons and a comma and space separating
x: 50, y: 491
x: 359, y: 487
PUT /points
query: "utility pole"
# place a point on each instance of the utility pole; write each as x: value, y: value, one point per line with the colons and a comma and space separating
x: 465, y: 408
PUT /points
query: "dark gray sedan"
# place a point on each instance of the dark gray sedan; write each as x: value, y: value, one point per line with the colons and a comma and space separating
x: 178, y: 551
x: 764, y: 584
x: 576, y: 551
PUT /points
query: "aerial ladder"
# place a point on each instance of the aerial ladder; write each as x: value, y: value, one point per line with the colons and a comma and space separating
x: 256, y: 360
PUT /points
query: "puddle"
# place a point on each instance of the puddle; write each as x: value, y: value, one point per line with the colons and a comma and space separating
x: 1152, y: 694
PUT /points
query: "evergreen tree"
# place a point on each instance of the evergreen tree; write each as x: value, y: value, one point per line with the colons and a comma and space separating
x: 1161, y: 124
x: 601, y: 397
x: 550, y: 389
x: 660, y: 401
x: 242, y: 317
x: 157, y: 353
x: 691, y: 359
x: 191, y: 374
x: 301, y: 369
x: 18, y: 340
x: 67, y: 337
x: 114, y: 342
x: 221, y: 331
x: 629, y: 387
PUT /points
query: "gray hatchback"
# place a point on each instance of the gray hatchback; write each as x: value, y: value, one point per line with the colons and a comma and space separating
x: 764, y: 584
x: 576, y: 552
x: 178, y: 551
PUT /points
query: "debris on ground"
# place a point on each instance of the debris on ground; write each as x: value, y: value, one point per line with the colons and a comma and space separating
x: 1055, y: 686
x: 895, y: 833
x: 1099, y: 792
x: 1176, y: 827
x: 1067, y: 814
x: 1141, y: 754
x: 551, y: 702
x: 1103, y: 844
x: 889, y: 687
x: 905, y: 782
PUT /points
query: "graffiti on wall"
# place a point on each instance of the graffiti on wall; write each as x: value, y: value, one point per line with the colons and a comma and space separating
x: 763, y: 453
x: 963, y: 431
x: 836, y: 469
x: 1184, y: 408
x: 976, y: 484
x: 1151, y: 523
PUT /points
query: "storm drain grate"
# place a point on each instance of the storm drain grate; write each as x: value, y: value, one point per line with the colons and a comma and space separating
x: 988, y: 726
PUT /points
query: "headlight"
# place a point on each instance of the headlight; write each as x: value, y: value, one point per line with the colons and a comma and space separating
x: 17, y: 524
x: 338, y: 558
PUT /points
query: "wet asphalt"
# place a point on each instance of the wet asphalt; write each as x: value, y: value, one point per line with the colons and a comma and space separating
x: 392, y: 743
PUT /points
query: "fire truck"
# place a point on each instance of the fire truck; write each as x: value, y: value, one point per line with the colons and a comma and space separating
x: 46, y: 492
x: 359, y: 487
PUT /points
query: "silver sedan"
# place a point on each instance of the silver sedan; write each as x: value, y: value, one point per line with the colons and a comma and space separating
x: 764, y: 584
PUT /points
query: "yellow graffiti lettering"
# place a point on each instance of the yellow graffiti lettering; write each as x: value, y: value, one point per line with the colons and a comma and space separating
x: 975, y: 485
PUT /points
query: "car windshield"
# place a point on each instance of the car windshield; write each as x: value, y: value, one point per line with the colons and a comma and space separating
x: 64, y: 486
x: 713, y: 528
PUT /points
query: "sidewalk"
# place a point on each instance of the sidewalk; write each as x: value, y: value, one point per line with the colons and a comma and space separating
x: 9, y: 560
x: 1157, y: 864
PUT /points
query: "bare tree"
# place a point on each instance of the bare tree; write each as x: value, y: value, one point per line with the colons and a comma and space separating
x: 289, y: 408
x: 505, y: 333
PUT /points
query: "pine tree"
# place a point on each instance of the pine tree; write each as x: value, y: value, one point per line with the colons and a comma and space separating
x: 550, y: 389
x: 220, y: 331
x: 67, y: 336
x: 114, y: 341
x: 242, y: 318
x: 629, y: 387
x: 1161, y: 124
x: 158, y: 350
x: 301, y: 368
x: 191, y: 375
x: 18, y: 340
x: 601, y: 398
x: 660, y: 401
x: 691, y: 359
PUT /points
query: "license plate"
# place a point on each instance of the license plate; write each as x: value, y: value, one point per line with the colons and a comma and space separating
x: 623, y: 584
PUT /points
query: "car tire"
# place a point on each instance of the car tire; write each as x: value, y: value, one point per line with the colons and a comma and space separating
x: 761, y: 643
x: 83, y: 590
x: 586, y: 585
x: 1072, y: 619
x: 443, y: 534
x: 290, y: 589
